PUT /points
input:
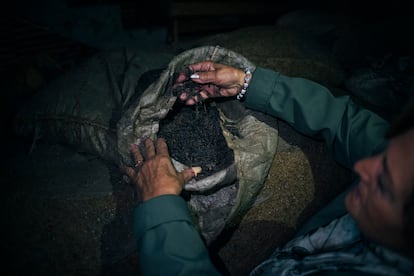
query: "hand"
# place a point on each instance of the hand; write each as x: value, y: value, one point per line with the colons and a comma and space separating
x: 156, y: 176
x: 215, y: 80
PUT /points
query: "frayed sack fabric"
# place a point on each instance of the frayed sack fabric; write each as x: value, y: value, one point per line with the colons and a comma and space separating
x: 102, y: 109
x: 81, y: 107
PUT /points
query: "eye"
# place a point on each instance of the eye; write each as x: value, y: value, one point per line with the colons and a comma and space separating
x: 383, y: 188
x: 384, y: 181
x: 380, y: 183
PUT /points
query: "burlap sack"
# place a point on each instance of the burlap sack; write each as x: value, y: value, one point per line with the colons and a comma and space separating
x: 81, y: 107
x: 223, y: 197
x: 100, y: 108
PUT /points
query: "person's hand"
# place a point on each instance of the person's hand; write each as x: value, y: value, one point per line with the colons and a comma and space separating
x: 213, y: 79
x: 154, y: 174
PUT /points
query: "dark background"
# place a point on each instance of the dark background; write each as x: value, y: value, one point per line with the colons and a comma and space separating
x: 40, y: 40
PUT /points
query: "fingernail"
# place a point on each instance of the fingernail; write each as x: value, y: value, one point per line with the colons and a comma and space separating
x: 195, y: 76
x: 196, y: 170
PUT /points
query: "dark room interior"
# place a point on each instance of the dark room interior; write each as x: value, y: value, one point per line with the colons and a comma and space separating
x: 67, y: 209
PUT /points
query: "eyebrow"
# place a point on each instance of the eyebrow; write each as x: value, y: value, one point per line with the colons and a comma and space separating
x: 387, y: 177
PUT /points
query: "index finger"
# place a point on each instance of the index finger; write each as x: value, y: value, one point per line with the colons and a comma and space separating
x: 181, y: 77
x: 162, y: 148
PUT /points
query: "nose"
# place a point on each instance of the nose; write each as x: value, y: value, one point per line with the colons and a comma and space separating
x: 368, y: 169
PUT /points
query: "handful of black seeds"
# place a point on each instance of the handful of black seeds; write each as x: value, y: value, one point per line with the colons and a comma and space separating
x: 195, y: 138
x: 191, y: 88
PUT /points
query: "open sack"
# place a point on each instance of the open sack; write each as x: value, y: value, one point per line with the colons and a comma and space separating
x: 105, y: 115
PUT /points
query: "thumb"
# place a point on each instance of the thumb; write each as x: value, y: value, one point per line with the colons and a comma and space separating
x: 204, y: 77
x: 189, y: 173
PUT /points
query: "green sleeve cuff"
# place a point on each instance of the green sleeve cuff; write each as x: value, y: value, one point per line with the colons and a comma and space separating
x: 159, y: 210
x: 261, y: 88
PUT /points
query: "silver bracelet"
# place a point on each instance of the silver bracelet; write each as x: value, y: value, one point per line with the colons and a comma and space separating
x: 243, y: 92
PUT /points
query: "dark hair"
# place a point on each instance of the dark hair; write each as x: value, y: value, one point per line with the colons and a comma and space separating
x: 404, y: 123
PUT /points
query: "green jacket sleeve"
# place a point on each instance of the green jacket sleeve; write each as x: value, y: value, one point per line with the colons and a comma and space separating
x: 350, y: 131
x: 168, y: 243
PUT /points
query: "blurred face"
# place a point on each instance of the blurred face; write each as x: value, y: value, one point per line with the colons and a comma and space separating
x: 386, y: 181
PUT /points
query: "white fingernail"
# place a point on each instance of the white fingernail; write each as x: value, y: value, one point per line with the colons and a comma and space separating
x: 196, y: 170
x: 195, y: 76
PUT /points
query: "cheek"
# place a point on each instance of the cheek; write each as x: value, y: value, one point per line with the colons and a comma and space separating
x: 369, y: 219
x: 379, y: 222
x: 371, y: 225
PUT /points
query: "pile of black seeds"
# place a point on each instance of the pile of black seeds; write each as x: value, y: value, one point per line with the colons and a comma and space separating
x: 195, y: 138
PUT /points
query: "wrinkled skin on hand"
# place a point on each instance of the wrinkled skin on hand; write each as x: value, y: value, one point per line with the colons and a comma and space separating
x: 154, y: 174
x: 207, y: 79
